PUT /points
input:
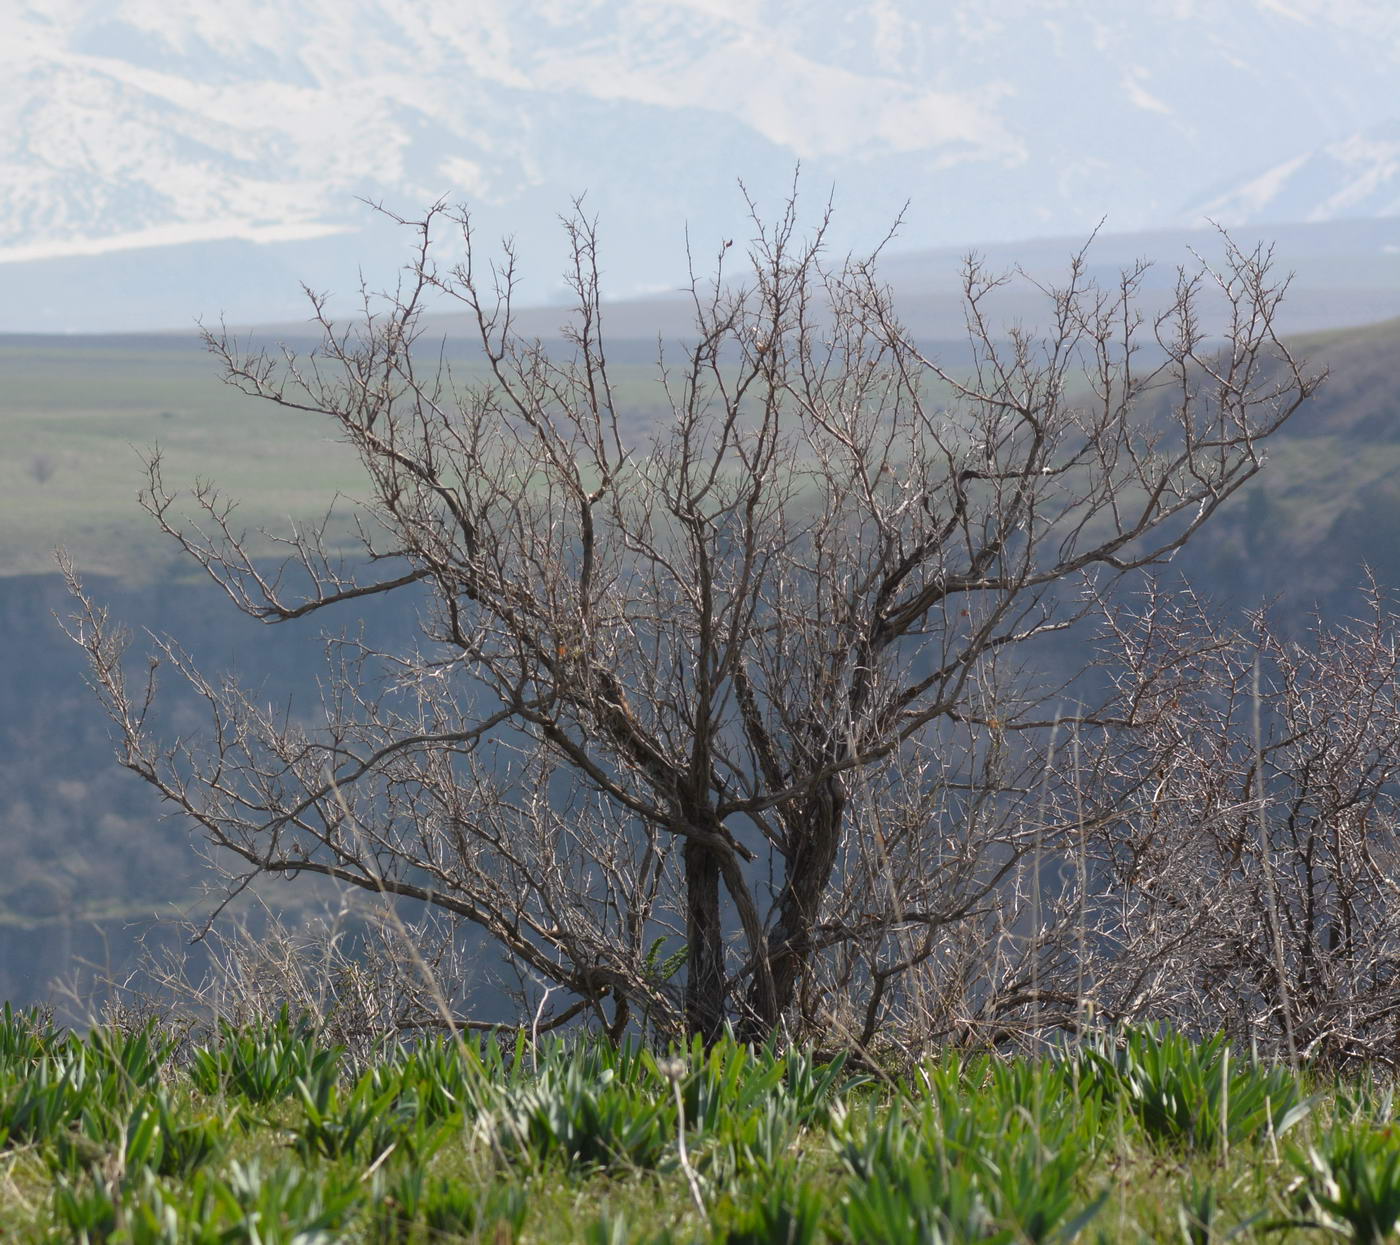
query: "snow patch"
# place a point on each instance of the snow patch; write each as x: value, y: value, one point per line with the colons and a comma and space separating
x: 1370, y: 163
x: 1251, y: 199
x: 1140, y: 97
x: 169, y: 235
x: 810, y: 108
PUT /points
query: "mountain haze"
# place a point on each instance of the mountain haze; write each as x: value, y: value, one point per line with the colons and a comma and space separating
x: 1354, y: 177
x: 146, y: 146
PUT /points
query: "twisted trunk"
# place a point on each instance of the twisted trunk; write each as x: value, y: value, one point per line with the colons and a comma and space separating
x: 704, y: 985
x: 814, y: 838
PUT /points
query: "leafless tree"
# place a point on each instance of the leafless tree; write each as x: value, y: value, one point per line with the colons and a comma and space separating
x: 745, y: 685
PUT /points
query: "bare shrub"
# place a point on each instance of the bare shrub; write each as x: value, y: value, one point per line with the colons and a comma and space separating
x: 1250, y: 880
x: 742, y: 686
x: 42, y: 467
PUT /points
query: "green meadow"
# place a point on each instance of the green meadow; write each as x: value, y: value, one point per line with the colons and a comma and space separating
x: 78, y: 415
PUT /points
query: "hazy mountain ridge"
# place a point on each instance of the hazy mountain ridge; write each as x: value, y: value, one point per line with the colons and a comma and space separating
x: 131, y: 124
x: 1351, y: 178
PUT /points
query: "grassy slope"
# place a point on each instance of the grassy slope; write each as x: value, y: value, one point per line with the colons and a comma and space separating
x: 1329, y: 499
x: 91, y: 406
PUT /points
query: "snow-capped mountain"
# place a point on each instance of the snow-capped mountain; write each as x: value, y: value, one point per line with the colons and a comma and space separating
x: 162, y: 161
x: 1353, y: 178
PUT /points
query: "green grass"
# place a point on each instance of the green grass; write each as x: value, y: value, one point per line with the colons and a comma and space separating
x: 268, y: 1134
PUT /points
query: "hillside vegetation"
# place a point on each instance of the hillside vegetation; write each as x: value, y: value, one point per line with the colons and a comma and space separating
x: 1329, y: 501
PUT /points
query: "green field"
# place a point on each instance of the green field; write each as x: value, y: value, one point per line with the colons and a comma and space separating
x: 79, y: 415
x: 87, y: 412
x: 272, y: 1134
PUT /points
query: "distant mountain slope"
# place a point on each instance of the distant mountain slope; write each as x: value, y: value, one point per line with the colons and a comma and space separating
x: 1360, y: 399
x: 198, y: 150
x: 1341, y: 273
x: 1327, y: 505
x: 1352, y: 177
